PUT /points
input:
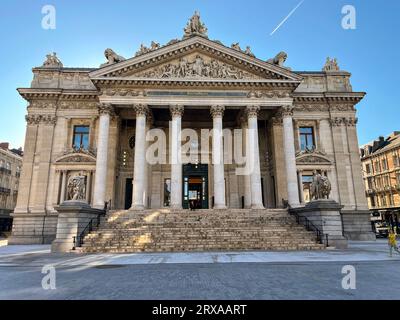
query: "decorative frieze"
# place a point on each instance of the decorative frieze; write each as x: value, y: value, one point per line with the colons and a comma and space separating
x: 176, y: 110
x: 338, y: 121
x: 123, y: 92
x: 278, y: 94
x: 74, y: 105
x: 35, y: 119
x: 42, y: 104
x: 217, y: 111
x: 342, y: 107
x: 311, y: 107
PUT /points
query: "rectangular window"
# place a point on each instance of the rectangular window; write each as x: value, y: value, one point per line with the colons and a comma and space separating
x: 368, y: 168
x: 307, y: 141
x: 306, y: 182
x: 81, y: 137
x: 384, y: 164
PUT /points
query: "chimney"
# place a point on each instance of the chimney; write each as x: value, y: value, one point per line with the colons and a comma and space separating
x: 4, y: 145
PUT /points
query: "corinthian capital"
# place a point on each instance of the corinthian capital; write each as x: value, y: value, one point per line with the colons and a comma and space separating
x: 141, y: 109
x: 176, y: 110
x: 106, y: 108
x: 32, y: 119
x: 217, y: 111
x: 252, y: 111
x: 287, y: 111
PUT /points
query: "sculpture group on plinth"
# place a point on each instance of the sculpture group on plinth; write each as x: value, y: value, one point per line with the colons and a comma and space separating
x: 320, y: 187
x: 77, y: 188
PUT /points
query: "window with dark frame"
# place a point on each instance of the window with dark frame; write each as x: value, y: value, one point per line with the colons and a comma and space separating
x: 81, y: 137
x: 307, y: 141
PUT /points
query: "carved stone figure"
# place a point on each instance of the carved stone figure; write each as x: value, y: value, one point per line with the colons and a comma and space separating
x: 236, y: 46
x: 111, y: 57
x: 279, y: 59
x: 248, y: 52
x: 195, y: 27
x: 331, y: 65
x: 77, y: 188
x: 320, y: 187
x: 52, y: 61
x: 154, y: 45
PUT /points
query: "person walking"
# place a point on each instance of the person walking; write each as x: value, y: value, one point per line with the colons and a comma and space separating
x: 392, y: 242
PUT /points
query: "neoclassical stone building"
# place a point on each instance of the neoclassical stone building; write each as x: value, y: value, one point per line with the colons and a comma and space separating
x: 92, y: 123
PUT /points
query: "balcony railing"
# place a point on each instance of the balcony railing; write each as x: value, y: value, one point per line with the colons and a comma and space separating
x: 5, y: 170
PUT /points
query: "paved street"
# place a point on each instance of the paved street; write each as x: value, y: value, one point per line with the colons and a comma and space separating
x: 233, y: 275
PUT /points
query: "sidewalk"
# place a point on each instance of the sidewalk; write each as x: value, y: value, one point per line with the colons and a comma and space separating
x: 35, y: 255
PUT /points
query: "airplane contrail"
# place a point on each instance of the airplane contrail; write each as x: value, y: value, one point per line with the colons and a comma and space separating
x: 287, y: 17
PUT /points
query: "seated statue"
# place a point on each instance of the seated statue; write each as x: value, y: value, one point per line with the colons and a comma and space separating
x: 111, y: 57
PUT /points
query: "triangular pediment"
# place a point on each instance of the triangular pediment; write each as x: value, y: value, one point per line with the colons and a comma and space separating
x: 312, y: 157
x: 195, y: 58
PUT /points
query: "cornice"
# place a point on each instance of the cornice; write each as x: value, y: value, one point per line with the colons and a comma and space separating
x: 57, y: 94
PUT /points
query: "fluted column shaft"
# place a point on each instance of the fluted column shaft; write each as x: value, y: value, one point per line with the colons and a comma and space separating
x: 139, y: 172
x: 253, y: 155
x: 175, y: 158
x: 290, y: 156
x: 99, y: 194
x: 217, y: 113
x: 246, y: 177
x: 63, y: 185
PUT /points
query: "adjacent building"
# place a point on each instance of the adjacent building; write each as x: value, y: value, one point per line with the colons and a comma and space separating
x: 381, y: 171
x: 87, y: 127
x: 10, y: 170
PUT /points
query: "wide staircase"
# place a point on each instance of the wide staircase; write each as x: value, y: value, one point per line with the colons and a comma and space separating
x: 166, y: 230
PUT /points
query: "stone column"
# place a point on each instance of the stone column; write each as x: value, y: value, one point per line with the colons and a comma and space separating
x: 105, y: 111
x: 139, y: 172
x: 300, y: 183
x: 217, y: 113
x: 290, y: 157
x: 175, y: 157
x: 253, y: 155
x: 149, y: 121
x: 63, y: 185
x: 88, y: 185
x: 246, y: 177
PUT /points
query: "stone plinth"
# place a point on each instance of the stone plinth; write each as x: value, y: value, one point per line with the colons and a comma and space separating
x: 326, y: 216
x: 73, y: 217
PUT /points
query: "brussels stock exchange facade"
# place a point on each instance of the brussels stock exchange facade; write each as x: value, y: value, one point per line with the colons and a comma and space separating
x: 100, y: 123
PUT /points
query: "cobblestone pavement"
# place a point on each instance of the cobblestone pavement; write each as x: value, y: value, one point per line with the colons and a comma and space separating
x: 248, y: 275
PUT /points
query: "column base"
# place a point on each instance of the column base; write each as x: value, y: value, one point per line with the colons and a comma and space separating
x: 176, y: 207
x: 257, y: 206
x: 220, y: 207
x: 137, y: 207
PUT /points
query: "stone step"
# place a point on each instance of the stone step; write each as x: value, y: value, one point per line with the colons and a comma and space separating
x: 167, y: 230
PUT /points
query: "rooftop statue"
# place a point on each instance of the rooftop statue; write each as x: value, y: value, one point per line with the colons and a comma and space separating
x: 111, y: 57
x: 320, y: 187
x: 195, y: 27
x: 52, y: 61
x: 331, y: 65
x: 279, y: 59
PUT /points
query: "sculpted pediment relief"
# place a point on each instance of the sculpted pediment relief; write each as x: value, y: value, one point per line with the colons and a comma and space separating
x: 76, y: 157
x: 196, y: 66
x: 312, y: 157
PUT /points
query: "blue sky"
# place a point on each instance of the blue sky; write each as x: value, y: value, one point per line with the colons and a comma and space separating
x: 85, y: 28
